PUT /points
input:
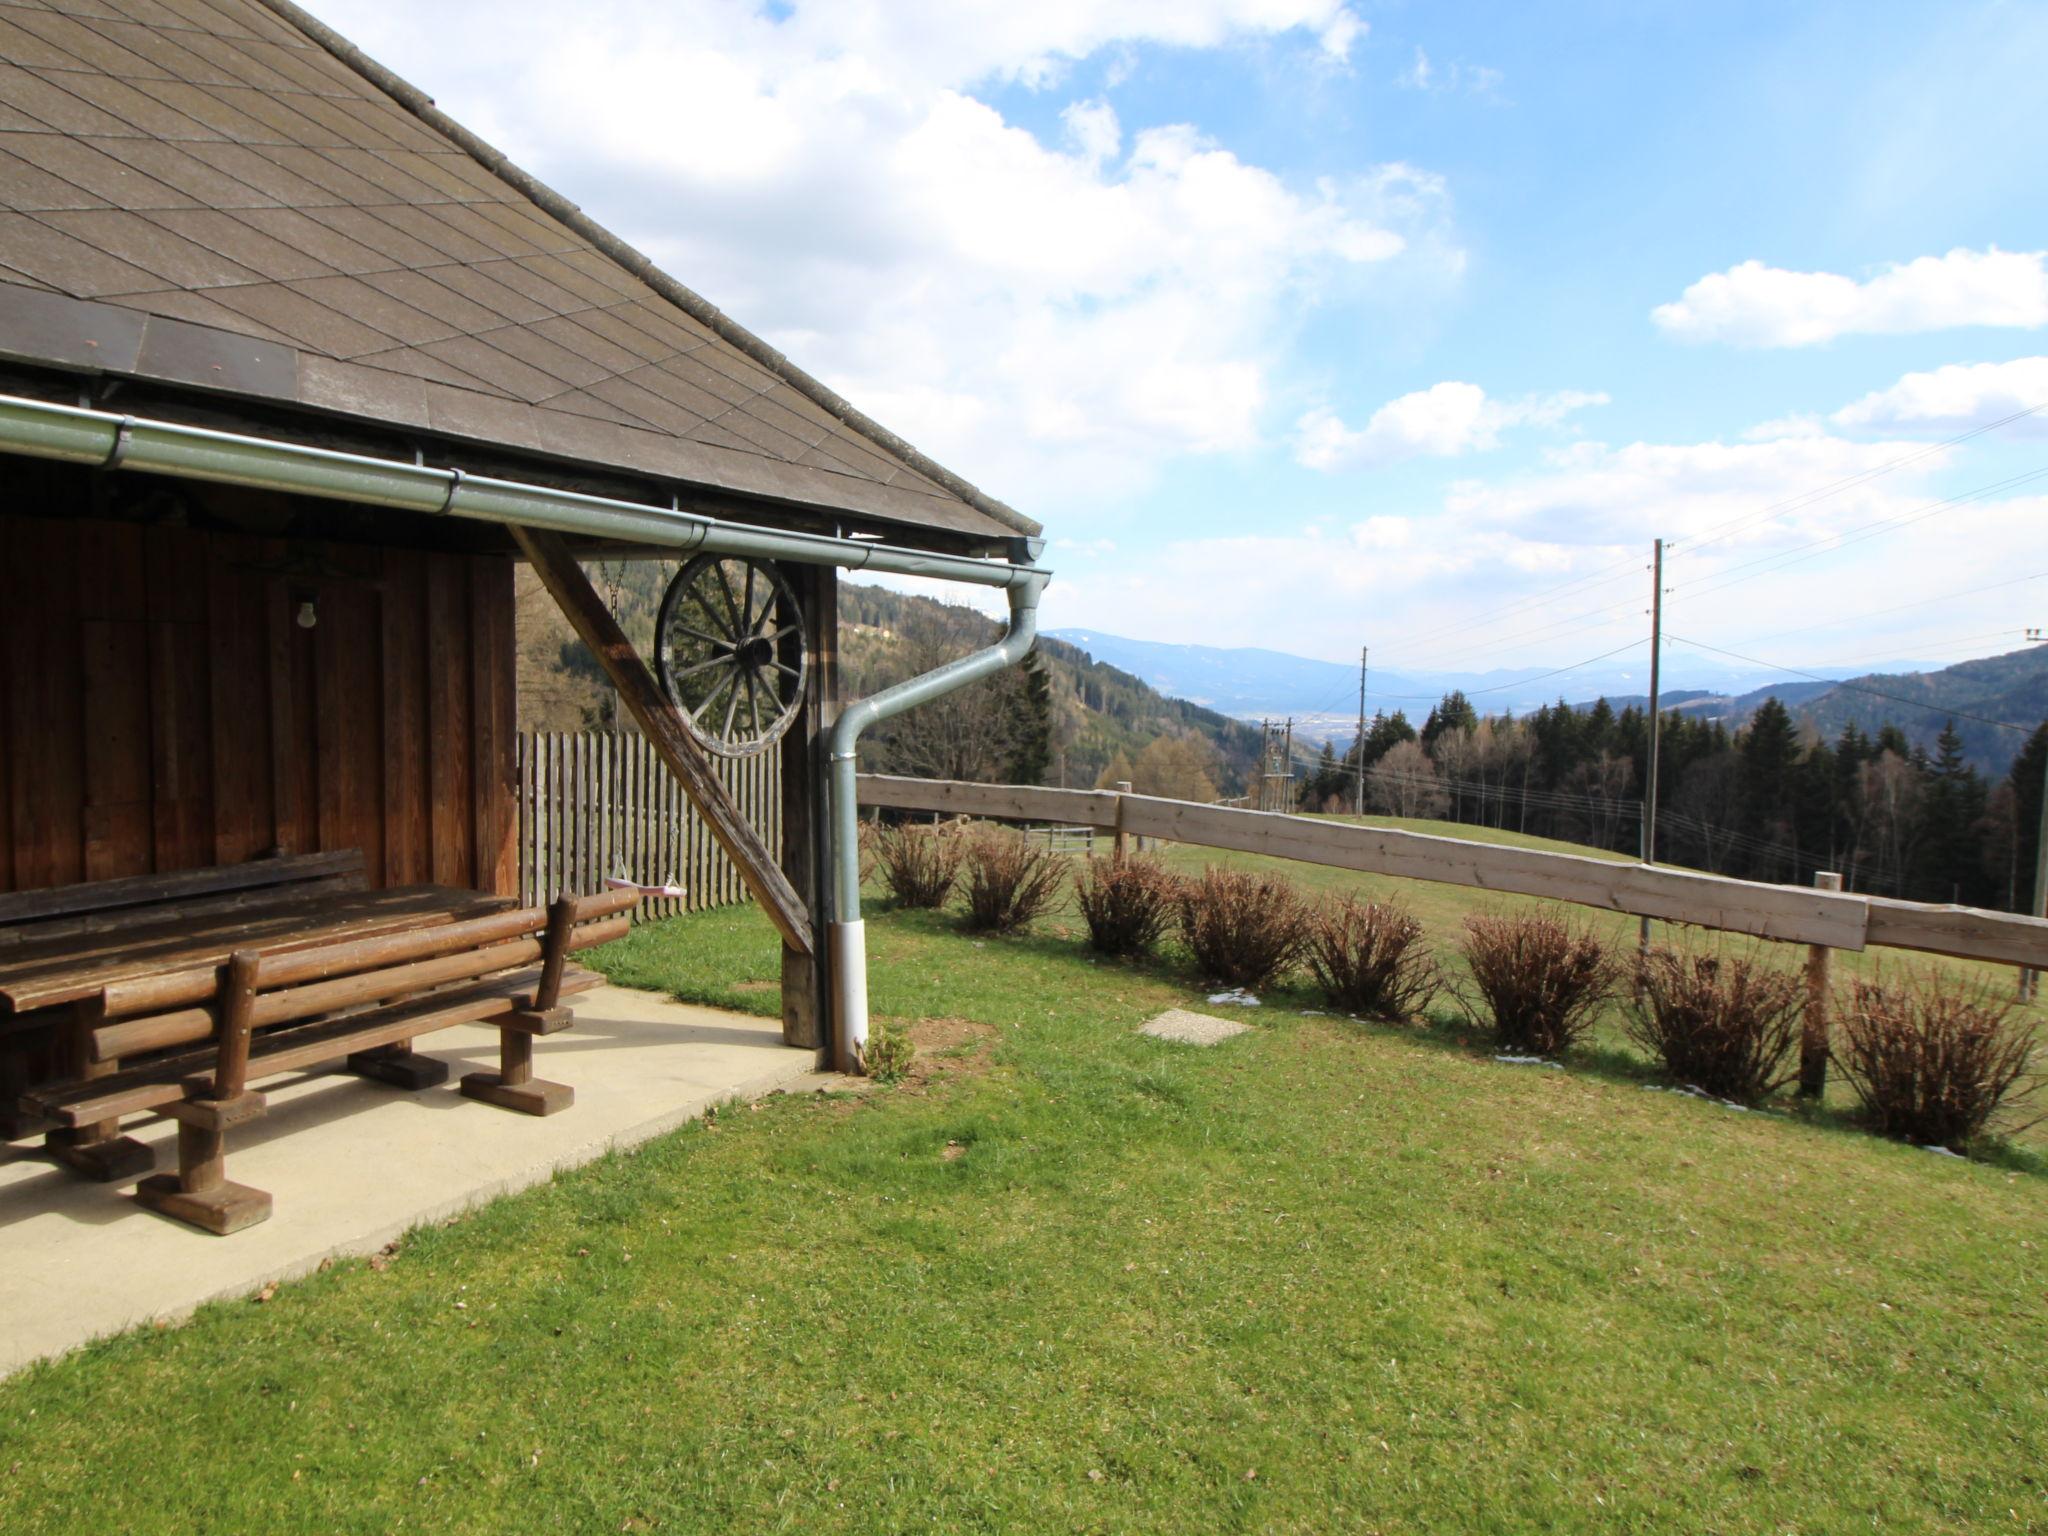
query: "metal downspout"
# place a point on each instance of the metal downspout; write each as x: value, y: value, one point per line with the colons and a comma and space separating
x: 849, y: 933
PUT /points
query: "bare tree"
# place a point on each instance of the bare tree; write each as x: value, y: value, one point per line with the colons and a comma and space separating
x: 1405, y: 782
x: 1889, y: 789
x: 1456, y: 755
x: 1601, y: 798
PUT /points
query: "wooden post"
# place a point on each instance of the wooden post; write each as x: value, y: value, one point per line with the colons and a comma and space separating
x: 663, y: 726
x: 200, y: 1192
x: 806, y: 824
x: 1813, y: 1040
x: 1123, y: 787
x: 99, y: 1151
x: 513, y: 1085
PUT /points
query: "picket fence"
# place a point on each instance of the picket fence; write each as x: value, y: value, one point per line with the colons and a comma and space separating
x: 599, y: 805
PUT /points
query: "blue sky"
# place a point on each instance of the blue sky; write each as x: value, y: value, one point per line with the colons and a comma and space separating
x: 1308, y: 324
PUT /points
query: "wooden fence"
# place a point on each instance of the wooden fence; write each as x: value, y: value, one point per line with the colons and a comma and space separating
x: 599, y: 805
x: 1791, y: 913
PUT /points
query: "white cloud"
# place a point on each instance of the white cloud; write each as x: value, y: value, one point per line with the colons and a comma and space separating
x: 1801, y: 529
x: 1423, y: 74
x: 1753, y: 305
x: 1442, y: 421
x: 1956, y: 397
x: 1057, y: 321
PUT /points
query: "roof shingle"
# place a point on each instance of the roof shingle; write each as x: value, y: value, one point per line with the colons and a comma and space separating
x: 237, y: 171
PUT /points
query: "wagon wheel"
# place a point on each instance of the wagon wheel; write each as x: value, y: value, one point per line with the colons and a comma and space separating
x: 729, y: 648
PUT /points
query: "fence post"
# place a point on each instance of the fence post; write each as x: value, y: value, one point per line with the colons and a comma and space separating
x: 1123, y: 787
x: 1813, y: 1039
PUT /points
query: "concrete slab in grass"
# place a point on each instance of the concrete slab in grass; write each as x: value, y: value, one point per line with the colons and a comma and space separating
x: 1192, y: 1028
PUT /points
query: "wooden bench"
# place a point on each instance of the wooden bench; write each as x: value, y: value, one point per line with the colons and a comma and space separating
x: 195, y: 1039
x: 66, y: 911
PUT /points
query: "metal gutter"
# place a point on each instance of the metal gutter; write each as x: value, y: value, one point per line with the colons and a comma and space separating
x: 107, y: 440
x: 849, y: 932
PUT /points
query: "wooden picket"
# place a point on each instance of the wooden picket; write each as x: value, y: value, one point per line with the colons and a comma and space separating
x: 597, y: 805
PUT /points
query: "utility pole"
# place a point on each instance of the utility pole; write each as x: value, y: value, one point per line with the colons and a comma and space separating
x: 2030, y: 980
x: 1656, y: 717
x: 1363, y: 653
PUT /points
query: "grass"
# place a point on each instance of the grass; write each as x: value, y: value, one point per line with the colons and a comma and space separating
x: 1323, y: 1277
x: 1443, y: 909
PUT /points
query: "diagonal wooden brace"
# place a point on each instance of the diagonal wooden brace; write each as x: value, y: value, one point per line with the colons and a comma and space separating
x: 663, y: 725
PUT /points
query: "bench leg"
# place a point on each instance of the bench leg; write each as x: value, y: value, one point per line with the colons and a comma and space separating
x: 513, y: 1085
x: 200, y: 1192
x: 401, y: 1066
x: 99, y: 1150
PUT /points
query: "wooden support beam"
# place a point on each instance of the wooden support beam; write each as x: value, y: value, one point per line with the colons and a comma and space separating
x: 663, y: 726
x: 806, y: 990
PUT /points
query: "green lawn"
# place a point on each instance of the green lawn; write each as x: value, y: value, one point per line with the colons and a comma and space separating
x: 1323, y: 1277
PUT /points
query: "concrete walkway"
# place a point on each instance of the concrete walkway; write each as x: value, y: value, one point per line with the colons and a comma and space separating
x: 352, y: 1165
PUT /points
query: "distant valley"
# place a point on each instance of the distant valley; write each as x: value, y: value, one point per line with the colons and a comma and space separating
x: 1322, y: 696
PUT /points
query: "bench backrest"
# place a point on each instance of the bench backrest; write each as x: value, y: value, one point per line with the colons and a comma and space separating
x: 63, y: 910
x: 253, y: 991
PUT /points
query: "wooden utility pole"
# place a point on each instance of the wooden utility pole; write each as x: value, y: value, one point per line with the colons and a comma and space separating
x: 1363, y: 653
x: 2030, y: 980
x: 1656, y: 716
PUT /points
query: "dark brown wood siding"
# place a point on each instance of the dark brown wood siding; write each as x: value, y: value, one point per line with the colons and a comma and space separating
x: 162, y: 708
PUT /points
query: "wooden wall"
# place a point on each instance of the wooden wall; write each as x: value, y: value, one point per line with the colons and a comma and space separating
x: 161, y: 709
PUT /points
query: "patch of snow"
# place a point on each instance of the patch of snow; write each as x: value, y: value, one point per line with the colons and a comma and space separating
x: 1236, y: 996
x: 1944, y: 1152
x: 1530, y: 1061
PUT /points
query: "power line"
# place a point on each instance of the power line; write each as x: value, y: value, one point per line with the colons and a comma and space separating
x: 1520, y: 682
x: 1833, y: 542
x: 1874, y: 613
x: 1720, y: 531
x: 1600, y: 577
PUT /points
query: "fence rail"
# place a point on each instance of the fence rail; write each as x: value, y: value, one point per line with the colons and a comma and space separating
x: 600, y: 805
x: 1791, y: 913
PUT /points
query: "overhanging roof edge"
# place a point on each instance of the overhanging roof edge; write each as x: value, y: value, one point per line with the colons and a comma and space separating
x: 700, y: 309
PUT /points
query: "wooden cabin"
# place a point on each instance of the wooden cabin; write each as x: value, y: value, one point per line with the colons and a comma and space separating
x: 220, y: 214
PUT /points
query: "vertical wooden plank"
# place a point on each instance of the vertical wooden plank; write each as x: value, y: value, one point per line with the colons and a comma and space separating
x: 348, y: 722
x: 238, y: 680
x: 42, y: 677
x: 408, y: 829
x: 451, y: 830
x: 181, y: 727
x: 494, y: 719
x: 287, y: 795
x: 579, y: 815
x: 118, y: 828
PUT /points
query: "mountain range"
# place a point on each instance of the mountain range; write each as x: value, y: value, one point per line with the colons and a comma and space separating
x: 1322, y: 696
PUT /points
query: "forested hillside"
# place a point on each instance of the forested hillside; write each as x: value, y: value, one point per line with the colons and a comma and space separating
x: 1768, y: 800
x: 1062, y: 718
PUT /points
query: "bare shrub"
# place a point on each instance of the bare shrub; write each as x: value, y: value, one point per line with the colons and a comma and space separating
x: 1369, y: 960
x: 1126, y: 903
x: 867, y: 838
x: 1539, y: 981
x: 1010, y: 880
x: 919, y: 864
x: 1722, y: 1024
x: 1243, y: 928
x: 1932, y: 1060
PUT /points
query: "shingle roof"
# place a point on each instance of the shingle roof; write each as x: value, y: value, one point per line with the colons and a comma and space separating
x: 224, y: 193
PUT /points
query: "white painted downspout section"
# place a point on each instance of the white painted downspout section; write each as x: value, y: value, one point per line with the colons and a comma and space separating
x: 849, y: 932
x: 109, y: 440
